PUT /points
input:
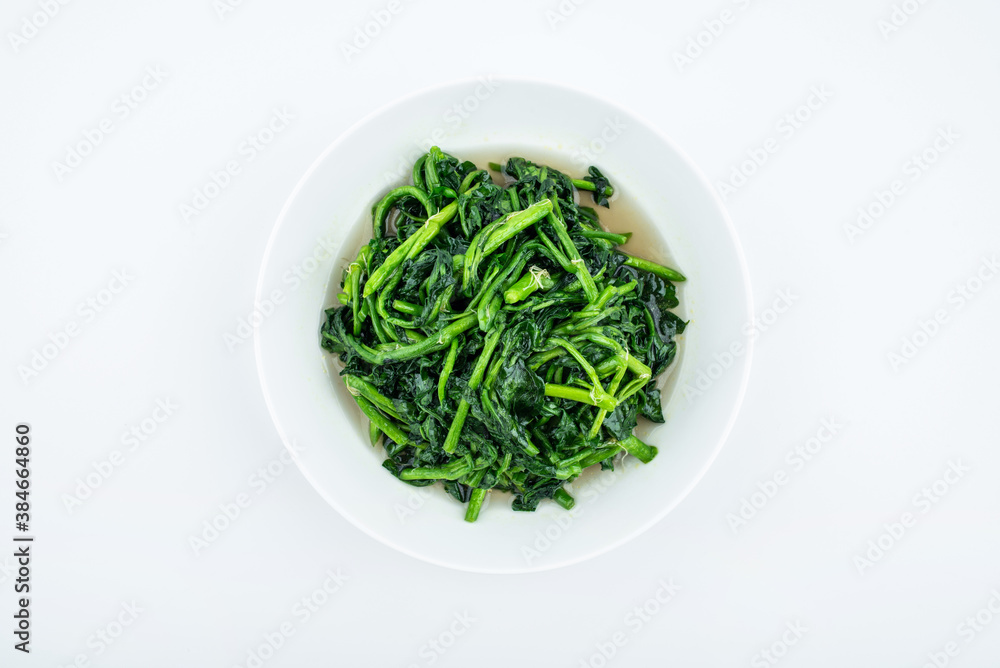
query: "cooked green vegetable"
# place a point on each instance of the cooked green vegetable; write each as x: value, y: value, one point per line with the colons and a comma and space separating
x: 496, y: 337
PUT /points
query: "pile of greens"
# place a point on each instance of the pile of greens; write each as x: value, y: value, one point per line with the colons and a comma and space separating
x: 498, y: 339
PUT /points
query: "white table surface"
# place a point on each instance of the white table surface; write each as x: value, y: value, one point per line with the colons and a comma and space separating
x: 166, y: 291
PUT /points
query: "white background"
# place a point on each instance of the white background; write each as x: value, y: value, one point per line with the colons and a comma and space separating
x: 162, y: 337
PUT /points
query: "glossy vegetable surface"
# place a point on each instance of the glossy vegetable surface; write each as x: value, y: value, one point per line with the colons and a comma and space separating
x: 496, y: 337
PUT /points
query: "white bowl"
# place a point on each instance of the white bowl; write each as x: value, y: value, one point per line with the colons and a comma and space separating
x: 317, y: 233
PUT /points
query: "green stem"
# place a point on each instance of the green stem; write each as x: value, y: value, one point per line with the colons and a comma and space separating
x: 574, y: 325
x: 417, y: 173
x: 580, y: 359
x: 431, y: 177
x: 429, y: 345
x: 581, y: 184
x: 451, y: 471
x: 634, y: 364
x: 609, y: 293
x: 576, y: 285
x: 563, y: 498
x: 616, y: 239
x: 492, y: 339
x: 475, y: 504
x: 557, y: 254
x: 382, y: 209
x: 516, y: 223
x: 653, y: 268
x: 599, y: 456
x: 409, y: 248
x: 380, y: 333
x: 583, y: 396
x: 382, y: 305
x: 608, y: 366
x: 603, y: 413
x: 414, y: 336
x: 538, y: 359
x: 387, y: 426
x: 407, y: 307
x: 359, y: 386
x: 486, y: 308
x: 474, y: 254
x: 353, y: 284
x: 641, y: 451
x: 534, y: 279
x: 449, y: 365
x: 577, y: 265
x: 470, y: 177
